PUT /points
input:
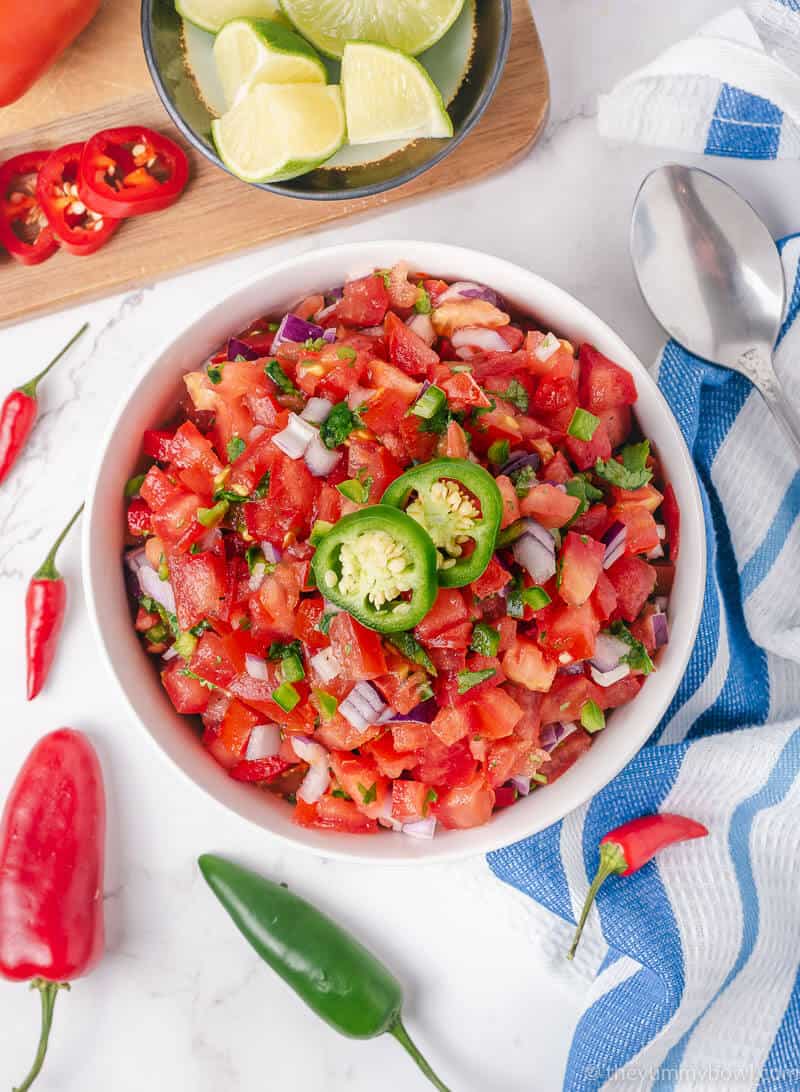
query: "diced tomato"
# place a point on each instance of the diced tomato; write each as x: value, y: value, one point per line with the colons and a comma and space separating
x: 329, y: 504
x: 642, y: 532
x: 648, y: 497
x: 403, y: 693
x: 357, y: 649
x: 157, y: 444
x: 505, y: 796
x: 465, y: 806
x: 507, y: 628
x: 497, y: 424
x: 585, y: 453
x: 604, y: 598
x: 339, y: 734
x: 360, y: 778
x: 556, y: 399
x: 549, y: 506
x: 572, y: 630
x: 581, y: 565
x: 557, y: 471
x: 385, y: 410
x: 410, y: 801
x: 444, y: 766
x: 618, y: 422
x: 157, y: 488
x: 559, y: 363
x: 463, y: 393
x: 390, y: 762
x: 603, y: 384
x: 333, y: 813
x: 455, y: 637
x: 633, y: 581
x: 196, y: 459
x: 372, y: 464
x: 525, y: 664
x: 510, y: 500
x: 448, y: 610
x: 273, y: 606
x: 261, y: 770
x: 492, y: 580
x: 566, y: 754
x: 497, y: 714
x: 410, y: 735
x: 672, y: 521
x: 237, y: 724
x: 452, y: 723
x: 455, y: 442
x: 217, y: 659
x: 665, y: 575
x: 139, y: 517
x: 364, y: 302
x: 502, y: 758
x: 593, y: 522
x: 619, y: 693
x: 530, y: 702
x: 176, y: 522
x: 307, y: 619
x: 199, y: 582
x: 255, y: 461
x: 186, y: 694
x: 406, y: 348
x: 567, y: 698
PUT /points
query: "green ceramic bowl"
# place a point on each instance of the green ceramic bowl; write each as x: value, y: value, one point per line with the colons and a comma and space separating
x: 466, y: 65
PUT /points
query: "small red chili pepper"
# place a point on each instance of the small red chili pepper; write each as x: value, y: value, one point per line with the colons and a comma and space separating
x: 130, y: 171
x: 24, y: 230
x: 77, y: 227
x: 19, y: 410
x: 45, y: 605
x: 52, y: 837
x: 627, y: 848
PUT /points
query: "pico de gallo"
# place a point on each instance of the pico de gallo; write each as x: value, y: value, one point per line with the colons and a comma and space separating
x: 401, y: 551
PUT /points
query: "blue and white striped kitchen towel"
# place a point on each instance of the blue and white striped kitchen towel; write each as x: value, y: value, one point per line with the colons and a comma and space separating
x: 700, y: 984
x: 732, y: 89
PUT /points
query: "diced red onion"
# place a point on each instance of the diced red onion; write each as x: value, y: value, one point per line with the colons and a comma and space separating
x: 655, y: 553
x: 264, y: 742
x: 325, y: 664
x: 319, y: 460
x: 423, y: 713
x: 359, y: 396
x: 469, y: 290
x: 326, y: 312
x: 553, y: 734
x: 293, y: 328
x: 608, y: 651
x: 572, y: 669
x: 660, y: 629
x: 255, y: 432
x: 237, y: 347
x: 329, y: 335
x: 170, y: 654
x: 271, y: 553
x: 363, y: 706
x: 295, y: 438
x: 519, y: 459
x: 385, y: 817
x: 521, y: 784
x: 318, y: 777
x: 541, y: 534
x: 317, y: 410
x: 479, y: 337
x: 136, y: 558
x: 662, y: 531
x: 422, y: 327
x: 549, y: 345
x: 608, y: 678
x: 423, y: 828
x: 614, y: 540
x: 535, y: 551
x: 372, y: 331
x: 160, y: 590
x: 661, y: 603
x: 466, y: 353
x: 255, y: 667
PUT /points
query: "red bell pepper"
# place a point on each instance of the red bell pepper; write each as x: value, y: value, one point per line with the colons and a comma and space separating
x: 52, y: 836
x: 78, y: 228
x: 32, y: 36
x: 130, y: 171
x: 24, y: 230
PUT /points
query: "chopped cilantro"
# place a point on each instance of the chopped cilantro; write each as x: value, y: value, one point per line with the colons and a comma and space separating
x: 368, y: 795
x: 485, y: 640
x: 324, y: 624
x: 431, y: 796
x: 582, y: 488
x: 468, y: 679
x: 229, y: 495
x: 280, y: 651
x: 261, y: 489
x: 407, y: 645
x: 583, y: 424
x: 236, y: 446
x: 638, y: 657
x: 340, y: 423
x: 315, y: 344
x: 516, y: 394
x: 215, y: 373
x: 152, y: 606
x: 523, y: 479
x: 632, y: 472
x: 279, y: 377
x: 438, y: 422
x: 498, y: 452
x: 341, y: 794
x: 197, y: 678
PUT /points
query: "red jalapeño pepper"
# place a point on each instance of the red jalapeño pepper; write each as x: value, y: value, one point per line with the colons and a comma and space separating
x: 130, y: 171
x: 45, y: 605
x: 24, y: 230
x: 52, y: 837
x: 627, y: 848
x: 18, y: 413
x: 77, y: 227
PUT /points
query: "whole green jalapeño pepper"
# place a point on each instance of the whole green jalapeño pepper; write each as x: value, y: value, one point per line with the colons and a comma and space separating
x: 336, y: 976
x: 457, y: 502
x: 380, y: 566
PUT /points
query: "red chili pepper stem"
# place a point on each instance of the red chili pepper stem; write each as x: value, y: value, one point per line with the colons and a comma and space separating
x: 404, y: 1039
x: 48, y: 992
x: 612, y: 863
x: 29, y: 388
x: 47, y: 570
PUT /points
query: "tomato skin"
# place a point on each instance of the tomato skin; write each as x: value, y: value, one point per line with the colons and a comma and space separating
x: 136, y: 191
x: 75, y: 233
x: 581, y: 565
x: 447, y: 611
x: 565, y: 755
x: 595, y: 521
x: 672, y: 521
x: 463, y: 393
x: 193, y: 454
x: 569, y: 629
x: 604, y: 598
x: 642, y: 532
x: 289, y: 504
x: 567, y: 697
x: 176, y: 522
x: 409, y: 801
x: 492, y: 580
x: 364, y: 302
x: 186, y: 694
x: 200, y: 586
x: 406, y: 348
x: 332, y: 813
x: 510, y: 499
x: 648, y: 497
x: 357, y: 649
x: 618, y: 423
x: 157, y: 444
x: 139, y: 517
x: 525, y: 664
x: 262, y: 770
x: 367, y: 460
x: 620, y: 693
x: 465, y: 806
x: 557, y: 400
x: 603, y: 385
x: 497, y: 714
x: 633, y: 581
x: 585, y: 453
x: 359, y: 777
x: 549, y: 506
x: 307, y: 621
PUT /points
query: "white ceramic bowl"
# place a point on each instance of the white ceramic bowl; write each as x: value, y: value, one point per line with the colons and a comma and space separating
x: 152, y: 399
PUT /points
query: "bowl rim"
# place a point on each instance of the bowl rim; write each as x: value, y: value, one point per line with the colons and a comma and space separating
x: 574, y: 793
x: 448, y: 146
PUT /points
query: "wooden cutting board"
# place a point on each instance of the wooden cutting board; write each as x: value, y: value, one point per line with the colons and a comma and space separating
x: 103, y: 81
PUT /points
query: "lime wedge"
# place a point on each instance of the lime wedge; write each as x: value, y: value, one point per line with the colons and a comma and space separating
x: 278, y: 131
x: 389, y: 96
x: 410, y: 25
x: 213, y: 14
x: 251, y: 51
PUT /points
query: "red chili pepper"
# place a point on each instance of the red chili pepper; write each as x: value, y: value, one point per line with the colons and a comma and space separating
x: 627, y: 848
x: 18, y: 413
x: 52, y: 838
x: 78, y: 228
x: 24, y: 230
x: 45, y: 605
x: 130, y: 171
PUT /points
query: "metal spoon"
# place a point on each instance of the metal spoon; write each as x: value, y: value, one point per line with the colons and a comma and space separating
x: 711, y: 274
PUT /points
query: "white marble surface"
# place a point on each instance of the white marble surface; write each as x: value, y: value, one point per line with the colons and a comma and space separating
x: 180, y: 1003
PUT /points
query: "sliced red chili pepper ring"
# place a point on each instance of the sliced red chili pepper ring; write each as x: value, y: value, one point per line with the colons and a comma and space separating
x: 131, y: 171
x: 24, y: 230
x: 78, y: 228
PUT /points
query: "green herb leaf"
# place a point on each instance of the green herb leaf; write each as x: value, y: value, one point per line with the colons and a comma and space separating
x: 275, y: 372
x: 485, y: 640
x: 280, y: 651
x: 229, y: 495
x: 515, y: 606
x: 368, y: 795
x: 439, y: 422
x: 236, y: 446
x: 324, y: 624
x: 631, y: 473
x: 583, y: 424
x: 197, y: 678
x: 593, y: 718
x: 133, y: 485
x: 407, y: 645
x: 516, y: 394
x: 341, y: 794
x: 638, y: 658
x: 261, y: 489
x: 214, y: 372
x: 523, y: 479
x: 340, y: 423
x: 431, y: 796
x: 498, y: 452
x: 468, y: 679
x: 315, y: 344
x: 582, y: 488
x: 152, y: 606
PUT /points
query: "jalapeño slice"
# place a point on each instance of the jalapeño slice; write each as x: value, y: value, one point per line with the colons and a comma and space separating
x: 459, y: 505
x: 380, y: 566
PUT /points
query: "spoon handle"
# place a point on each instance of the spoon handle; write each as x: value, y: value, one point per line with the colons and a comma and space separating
x: 757, y: 365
